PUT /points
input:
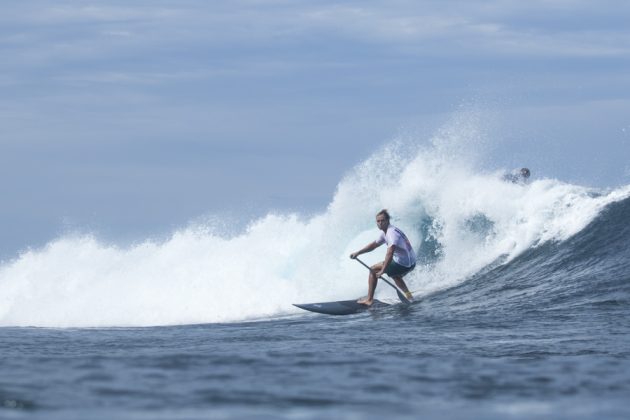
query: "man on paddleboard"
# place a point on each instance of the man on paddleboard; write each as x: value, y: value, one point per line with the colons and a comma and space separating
x: 399, y: 260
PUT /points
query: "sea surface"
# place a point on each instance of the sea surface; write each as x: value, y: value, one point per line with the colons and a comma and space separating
x: 522, y: 311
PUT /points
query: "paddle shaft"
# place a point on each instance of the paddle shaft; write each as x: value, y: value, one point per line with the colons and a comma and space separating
x: 401, y: 296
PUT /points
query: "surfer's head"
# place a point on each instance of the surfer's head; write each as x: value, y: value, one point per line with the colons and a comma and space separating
x: 525, y: 172
x: 382, y: 220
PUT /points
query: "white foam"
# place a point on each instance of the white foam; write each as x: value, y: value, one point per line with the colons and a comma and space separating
x: 198, y: 276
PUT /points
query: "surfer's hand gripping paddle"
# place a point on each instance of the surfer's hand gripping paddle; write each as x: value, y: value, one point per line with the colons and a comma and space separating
x: 400, y: 294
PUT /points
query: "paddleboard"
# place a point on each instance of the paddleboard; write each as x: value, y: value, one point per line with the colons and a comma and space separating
x: 340, y: 307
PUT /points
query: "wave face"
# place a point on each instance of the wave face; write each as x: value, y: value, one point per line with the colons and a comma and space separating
x: 473, y: 232
x: 588, y: 274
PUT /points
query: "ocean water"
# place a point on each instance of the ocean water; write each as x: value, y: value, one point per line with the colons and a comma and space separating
x: 522, y: 308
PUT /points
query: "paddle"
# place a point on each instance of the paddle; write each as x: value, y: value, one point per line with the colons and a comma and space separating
x: 400, y: 294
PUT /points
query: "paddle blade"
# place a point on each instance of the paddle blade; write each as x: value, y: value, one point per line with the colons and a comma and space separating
x: 402, y: 297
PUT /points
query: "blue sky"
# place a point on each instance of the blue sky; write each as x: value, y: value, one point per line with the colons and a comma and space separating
x: 131, y: 118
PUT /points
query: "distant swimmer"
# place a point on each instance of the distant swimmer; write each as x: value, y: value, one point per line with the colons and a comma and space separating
x: 517, y: 176
x: 399, y: 260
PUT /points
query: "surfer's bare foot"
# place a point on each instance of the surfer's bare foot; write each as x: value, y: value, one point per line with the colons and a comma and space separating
x: 365, y: 301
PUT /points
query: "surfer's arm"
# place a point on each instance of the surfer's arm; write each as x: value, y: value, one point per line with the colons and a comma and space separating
x: 388, y: 259
x: 368, y: 248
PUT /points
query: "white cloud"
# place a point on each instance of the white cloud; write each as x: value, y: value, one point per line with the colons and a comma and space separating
x: 124, y: 34
x: 71, y: 13
x: 492, y: 29
x: 61, y: 32
x: 373, y: 24
x: 137, y: 78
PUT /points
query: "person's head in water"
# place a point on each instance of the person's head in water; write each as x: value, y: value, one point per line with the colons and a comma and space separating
x: 517, y: 176
x: 382, y: 220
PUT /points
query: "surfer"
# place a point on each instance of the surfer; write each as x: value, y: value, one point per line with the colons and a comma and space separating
x: 400, y: 258
x: 518, y: 176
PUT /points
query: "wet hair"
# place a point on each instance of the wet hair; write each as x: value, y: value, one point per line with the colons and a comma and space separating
x: 525, y: 172
x: 385, y: 213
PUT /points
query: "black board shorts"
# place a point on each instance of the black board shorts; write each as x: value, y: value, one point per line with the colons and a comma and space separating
x: 396, y: 270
